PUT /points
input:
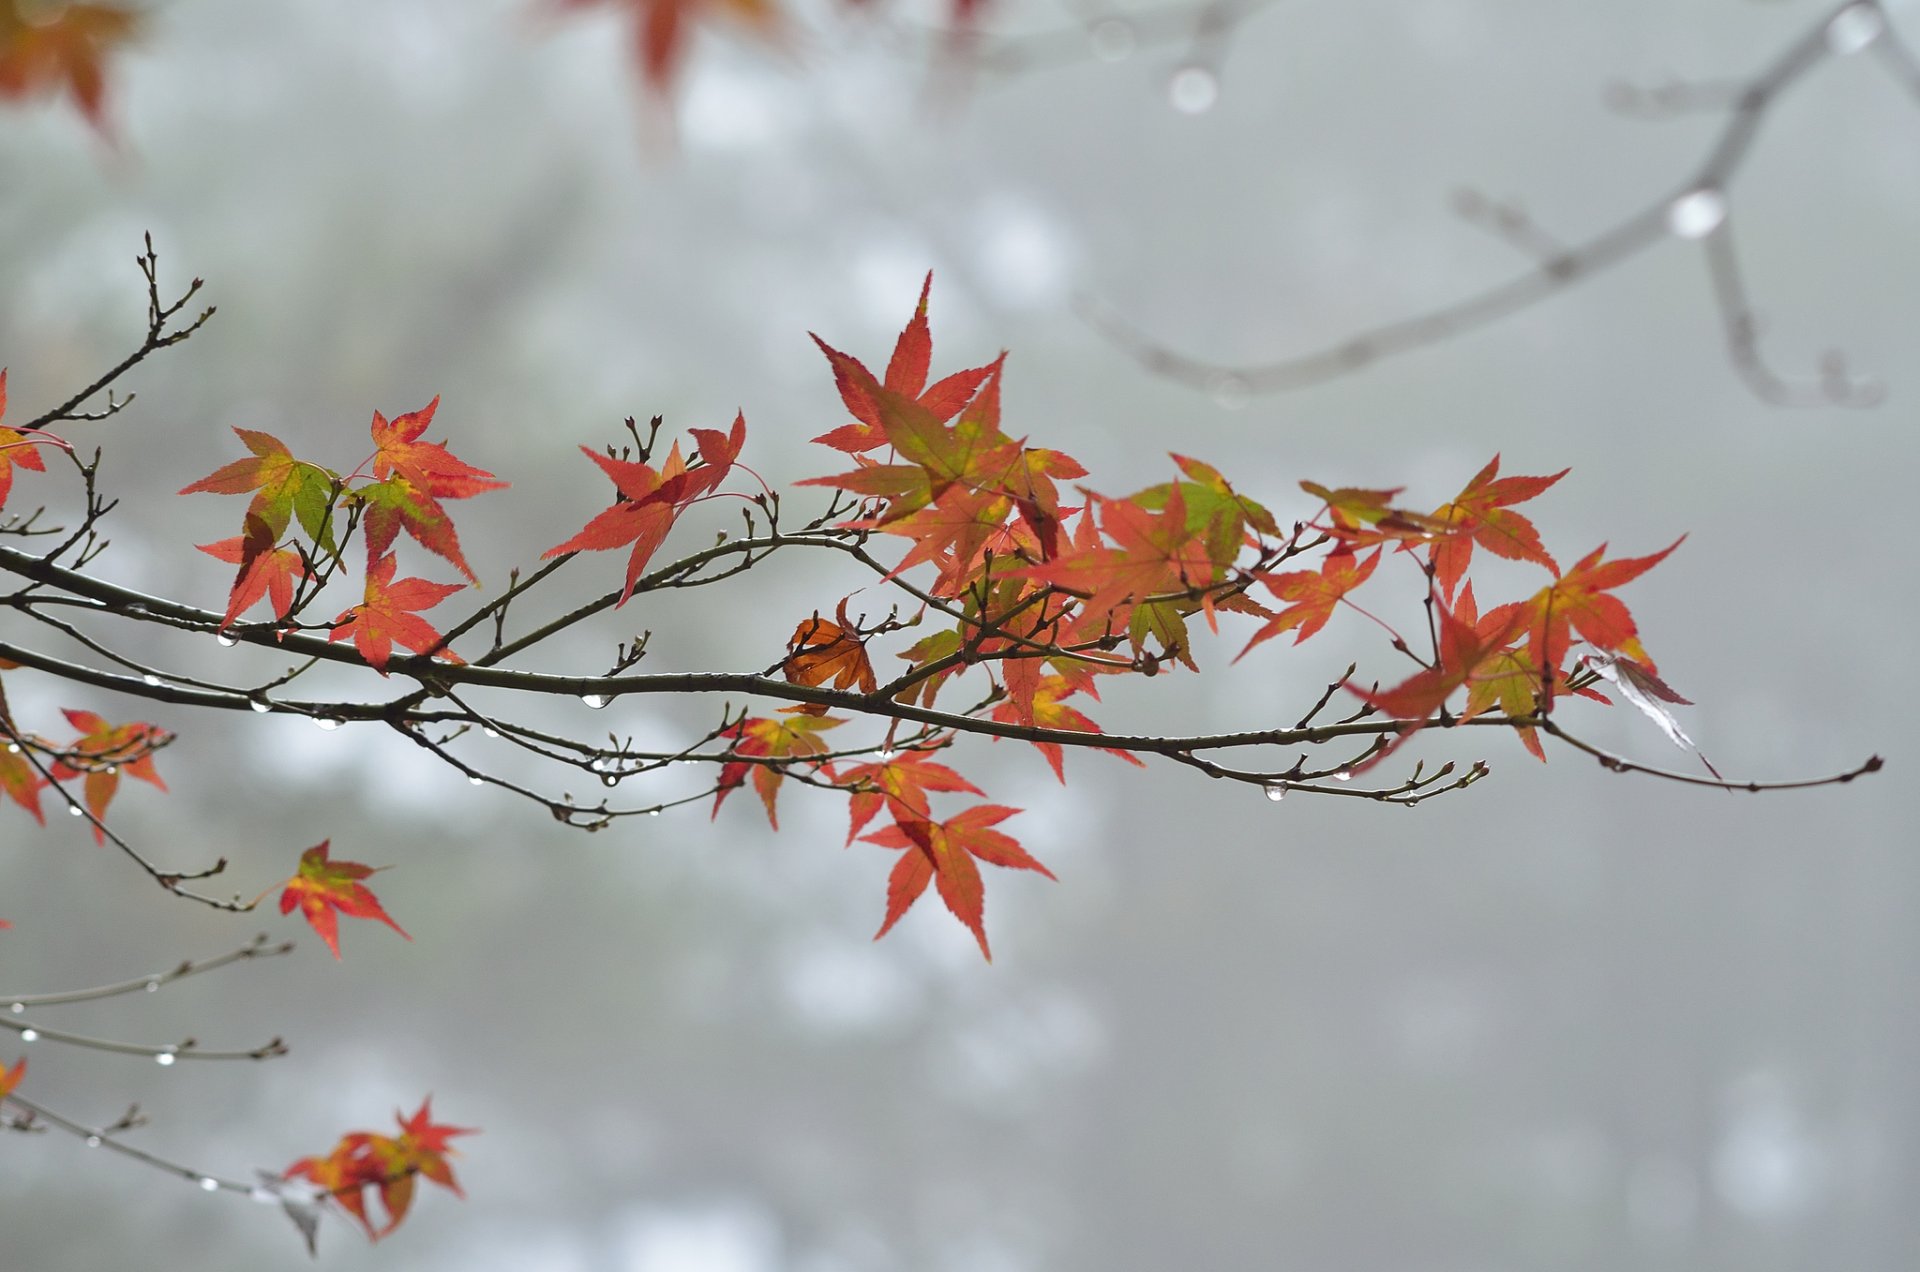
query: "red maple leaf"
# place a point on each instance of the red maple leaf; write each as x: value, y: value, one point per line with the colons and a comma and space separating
x: 428, y: 466
x: 648, y: 501
x: 266, y: 572
x: 1313, y: 593
x: 944, y: 853
x: 321, y: 888
x: 387, y: 616
x: 17, y: 450
x: 1480, y: 514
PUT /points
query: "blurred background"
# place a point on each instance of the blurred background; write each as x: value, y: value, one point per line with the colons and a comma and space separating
x: 1566, y: 1019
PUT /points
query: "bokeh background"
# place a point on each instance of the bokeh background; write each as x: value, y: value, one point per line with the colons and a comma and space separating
x: 1566, y: 1020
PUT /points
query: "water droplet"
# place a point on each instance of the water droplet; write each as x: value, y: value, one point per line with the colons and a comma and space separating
x: 209, y: 1184
x: 326, y: 722
x: 1276, y: 791
x: 226, y: 641
x: 13, y: 748
x: 29, y: 1035
x: 1230, y: 391
x: 153, y: 987
x: 886, y: 754
x: 595, y: 701
x: 476, y: 781
x: 164, y: 1059
x: 489, y: 732
x: 1344, y: 775
x: 17, y: 1008
x: 259, y: 706
x: 112, y: 769
x: 610, y: 779
x: 1193, y: 90
x: 1113, y: 39
x: 74, y: 810
x: 653, y: 812
x: 1697, y: 213
x: 1854, y: 28
x: 151, y: 681
x: 93, y: 1141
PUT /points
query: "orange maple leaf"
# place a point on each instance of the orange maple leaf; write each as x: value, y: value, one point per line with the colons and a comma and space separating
x: 1579, y: 600
x: 105, y: 751
x: 10, y: 1078
x: 321, y: 887
x: 822, y: 651
x: 47, y: 47
x: 387, y: 615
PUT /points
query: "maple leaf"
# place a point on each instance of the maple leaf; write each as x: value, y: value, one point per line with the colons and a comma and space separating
x: 266, y: 572
x: 413, y: 477
x: 944, y: 853
x: 820, y: 651
x: 1360, y: 517
x: 388, y: 615
x: 420, y: 1150
x: 1041, y: 705
x: 1579, y: 600
x: 282, y: 486
x: 1313, y: 593
x: 647, y: 501
x: 898, y: 782
x: 21, y: 783
x: 10, y: 1078
x: 102, y: 753
x: 795, y: 734
x: 321, y: 887
x: 387, y: 1165
x: 60, y: 45
x: 1507, y: 678
x: 1467, y: 650
x: 17, y: 450
x: 1480, y: 514
x: 906, y: 379
x: 428, y: 466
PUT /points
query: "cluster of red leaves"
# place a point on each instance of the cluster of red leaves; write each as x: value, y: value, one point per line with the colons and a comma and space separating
x: 47, y: 46
x: 1050, y: 595
x: 409, y: 482
x: 366, y: 1165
